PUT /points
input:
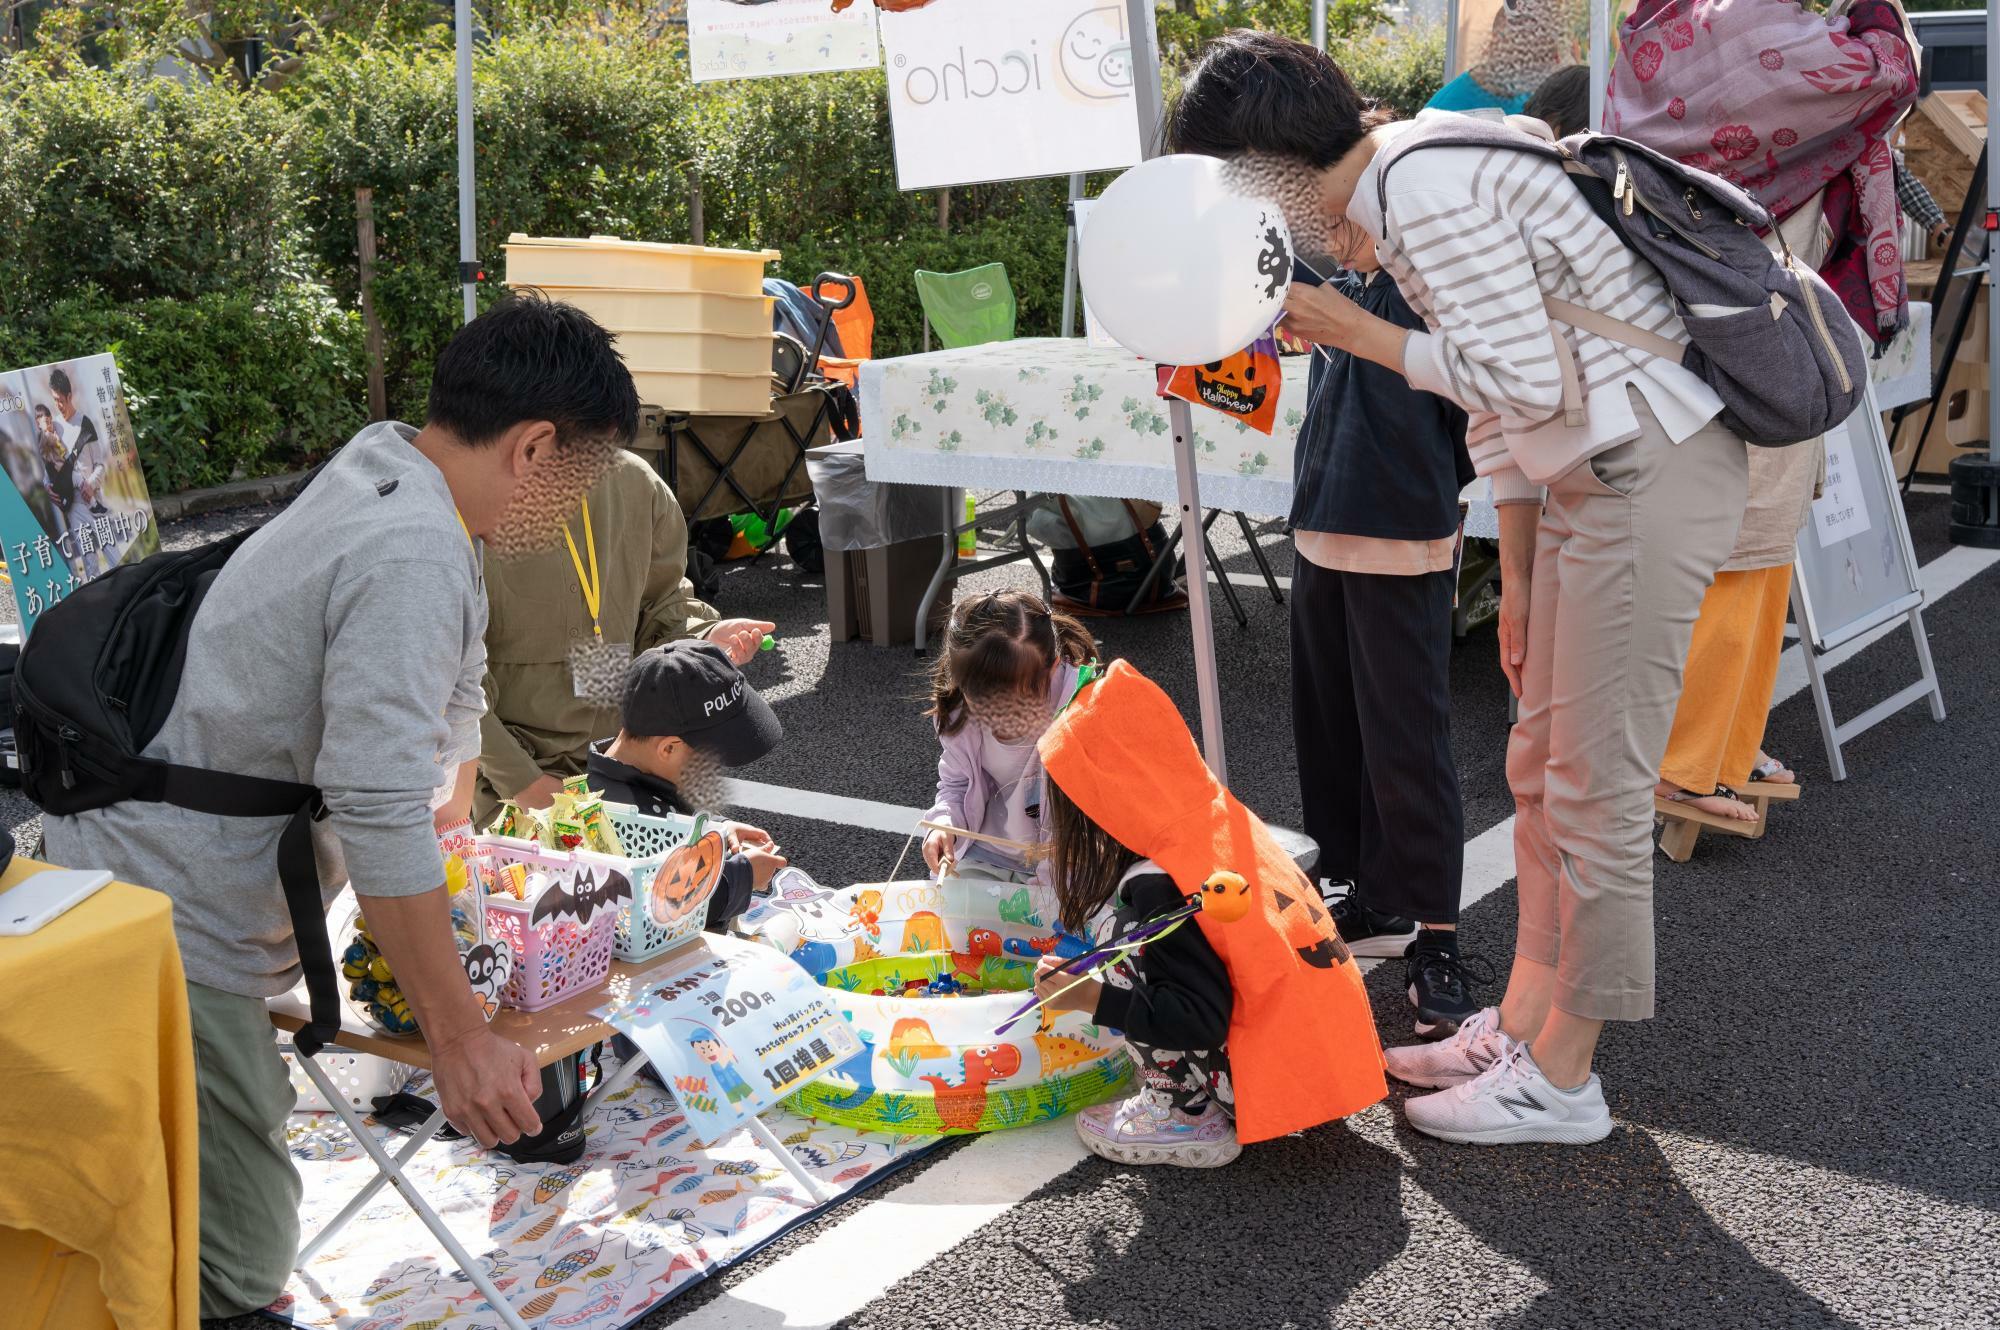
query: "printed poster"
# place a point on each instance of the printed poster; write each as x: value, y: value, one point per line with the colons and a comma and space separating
x: 734, y: 1033
x: 747, y: 39
x: 989, y: 91
x: 76, y: 505
x: 1841, y: 511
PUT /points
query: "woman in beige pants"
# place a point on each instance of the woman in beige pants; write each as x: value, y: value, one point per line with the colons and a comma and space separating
x: 1620, y: 498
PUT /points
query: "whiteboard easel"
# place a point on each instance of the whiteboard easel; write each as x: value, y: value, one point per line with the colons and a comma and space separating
x: 1843, y: 588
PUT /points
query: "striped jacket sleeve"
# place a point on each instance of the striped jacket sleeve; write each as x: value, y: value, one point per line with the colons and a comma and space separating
x: 1493, y: 349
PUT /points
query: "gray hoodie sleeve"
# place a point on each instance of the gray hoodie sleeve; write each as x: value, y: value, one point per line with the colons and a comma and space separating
x: 395, y: 662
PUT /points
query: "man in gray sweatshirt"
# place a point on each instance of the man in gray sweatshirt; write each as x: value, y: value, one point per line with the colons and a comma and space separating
x: 343, y: 647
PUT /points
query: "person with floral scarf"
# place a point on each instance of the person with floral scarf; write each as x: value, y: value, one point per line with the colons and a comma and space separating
x: 1797, y: 107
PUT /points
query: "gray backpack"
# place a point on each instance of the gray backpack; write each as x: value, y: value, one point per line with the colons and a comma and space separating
x: 1763, y: 329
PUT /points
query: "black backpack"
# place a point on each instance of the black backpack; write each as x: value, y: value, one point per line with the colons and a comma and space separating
x: 1764, y: 330
x: 94, y: 684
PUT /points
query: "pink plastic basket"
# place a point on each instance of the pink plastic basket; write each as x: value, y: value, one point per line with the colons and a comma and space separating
x: 556, y: 958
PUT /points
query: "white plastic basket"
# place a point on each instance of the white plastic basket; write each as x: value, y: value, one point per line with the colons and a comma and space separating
x: 361, y: 1079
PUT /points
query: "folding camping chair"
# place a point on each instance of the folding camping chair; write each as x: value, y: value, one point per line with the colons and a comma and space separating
x: 969, y: 308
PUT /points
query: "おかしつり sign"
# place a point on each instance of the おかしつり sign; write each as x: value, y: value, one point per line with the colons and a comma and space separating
x: 1010, y: 91
x: 733, y: 1032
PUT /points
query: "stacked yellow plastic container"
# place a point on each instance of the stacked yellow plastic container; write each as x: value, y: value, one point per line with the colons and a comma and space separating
x: 693, y: 323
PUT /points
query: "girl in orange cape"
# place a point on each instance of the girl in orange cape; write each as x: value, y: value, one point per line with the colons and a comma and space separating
x: 1241, y: 1031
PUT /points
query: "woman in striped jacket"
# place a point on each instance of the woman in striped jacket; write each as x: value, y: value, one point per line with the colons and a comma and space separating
x: 1620, y: 496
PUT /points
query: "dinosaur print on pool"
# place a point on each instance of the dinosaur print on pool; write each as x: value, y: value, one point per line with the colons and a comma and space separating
x: 979, y: 944
x: 816, y: 957
x: 960, y: 1107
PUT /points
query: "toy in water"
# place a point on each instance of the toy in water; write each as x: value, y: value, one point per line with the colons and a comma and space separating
x: 932, y: 1064
x: 1224, y: 897
x: 688, y: 877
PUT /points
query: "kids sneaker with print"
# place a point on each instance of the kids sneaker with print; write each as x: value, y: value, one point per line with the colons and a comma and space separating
x: 1148, y: 1129
x: 1513, y: 1103
x: 1479, y: 1043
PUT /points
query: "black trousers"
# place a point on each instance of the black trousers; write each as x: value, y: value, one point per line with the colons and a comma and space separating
x: 1371, y: 717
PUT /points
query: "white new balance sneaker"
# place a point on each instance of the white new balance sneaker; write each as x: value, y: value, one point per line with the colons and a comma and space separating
x: 1478, y: 1045
x: 1513, y: 1103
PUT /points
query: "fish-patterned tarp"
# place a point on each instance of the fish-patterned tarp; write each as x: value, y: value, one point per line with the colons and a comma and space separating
x: 588, y: 1246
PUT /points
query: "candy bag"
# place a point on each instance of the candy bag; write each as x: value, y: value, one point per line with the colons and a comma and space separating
x: 1243, y: 386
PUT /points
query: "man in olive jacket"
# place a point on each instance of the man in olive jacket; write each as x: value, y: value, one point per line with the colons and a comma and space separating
x: 631, y: 558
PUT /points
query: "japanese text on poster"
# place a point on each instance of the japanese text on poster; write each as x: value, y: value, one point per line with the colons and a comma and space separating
x: 76, y: 504
x: 738, y: 1031
x: 738, y: 39
x: 1841, y: 511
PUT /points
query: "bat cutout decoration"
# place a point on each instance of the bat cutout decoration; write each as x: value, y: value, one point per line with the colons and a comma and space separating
x: 592, y: 889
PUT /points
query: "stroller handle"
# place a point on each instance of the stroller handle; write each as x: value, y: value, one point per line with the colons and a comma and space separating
x: 834, y: 279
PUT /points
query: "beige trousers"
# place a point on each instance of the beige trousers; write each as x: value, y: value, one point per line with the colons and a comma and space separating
x: 1627, y: 544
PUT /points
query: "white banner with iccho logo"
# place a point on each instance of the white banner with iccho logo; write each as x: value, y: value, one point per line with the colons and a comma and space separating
x: 985, y: 91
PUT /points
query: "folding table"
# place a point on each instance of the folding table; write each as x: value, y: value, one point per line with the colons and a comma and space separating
x: 549, y: 1035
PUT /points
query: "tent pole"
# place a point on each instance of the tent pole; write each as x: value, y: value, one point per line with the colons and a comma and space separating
x: 1992, y: 206
x: 1600, y: 59
x: 1069, y: 261
x: 1451, y: 52
x: 468, y: 242
x: 1146, y: 90
x: 1319, y: 24
x: 1194, y: 546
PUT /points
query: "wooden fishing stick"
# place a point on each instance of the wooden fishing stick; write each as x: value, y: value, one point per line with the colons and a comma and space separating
x: 1019, y: 847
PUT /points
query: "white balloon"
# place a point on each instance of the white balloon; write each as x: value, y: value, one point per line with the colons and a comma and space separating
x: 1180, y: 268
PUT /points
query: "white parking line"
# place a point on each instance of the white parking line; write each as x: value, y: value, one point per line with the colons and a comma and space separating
x: 850, y: 1265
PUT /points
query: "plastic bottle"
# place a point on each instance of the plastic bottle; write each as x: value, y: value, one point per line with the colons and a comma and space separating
x: 968, y: 539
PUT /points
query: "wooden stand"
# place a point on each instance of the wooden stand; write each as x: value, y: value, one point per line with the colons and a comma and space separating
x: 1686, y: 823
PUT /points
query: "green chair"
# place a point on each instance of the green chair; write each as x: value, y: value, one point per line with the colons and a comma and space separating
x: 967, y: 308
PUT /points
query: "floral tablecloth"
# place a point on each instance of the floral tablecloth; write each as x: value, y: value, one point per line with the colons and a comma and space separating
x: 1059, y: 416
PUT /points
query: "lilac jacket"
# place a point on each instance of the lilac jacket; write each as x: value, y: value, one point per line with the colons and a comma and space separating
x: 964, y: 784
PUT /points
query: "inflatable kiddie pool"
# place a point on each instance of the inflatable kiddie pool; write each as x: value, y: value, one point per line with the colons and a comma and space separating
x: 930, y: 1062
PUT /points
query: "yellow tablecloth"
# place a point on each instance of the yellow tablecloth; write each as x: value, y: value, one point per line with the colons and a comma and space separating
x: 98, y: 1219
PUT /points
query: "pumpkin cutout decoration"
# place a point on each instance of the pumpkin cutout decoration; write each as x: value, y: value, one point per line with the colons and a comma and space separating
x: 686, y: 879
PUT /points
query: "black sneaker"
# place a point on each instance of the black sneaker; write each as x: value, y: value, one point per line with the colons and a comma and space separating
x: 1441, y: 983
x: 1366, y: 932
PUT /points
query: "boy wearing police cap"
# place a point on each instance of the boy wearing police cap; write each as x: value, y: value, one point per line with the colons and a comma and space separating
x: 688, y: 715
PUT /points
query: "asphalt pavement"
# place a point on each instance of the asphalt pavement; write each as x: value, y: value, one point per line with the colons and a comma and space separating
x: 1806, y: 1130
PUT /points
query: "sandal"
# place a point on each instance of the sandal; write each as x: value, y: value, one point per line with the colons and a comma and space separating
x: 1691, y: 798
x: 1768, y: 771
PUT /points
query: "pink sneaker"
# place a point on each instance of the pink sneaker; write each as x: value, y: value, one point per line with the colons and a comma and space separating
x: 1147, y: 1129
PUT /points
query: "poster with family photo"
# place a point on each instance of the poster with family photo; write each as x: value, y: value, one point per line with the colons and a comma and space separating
x: 76, y: 504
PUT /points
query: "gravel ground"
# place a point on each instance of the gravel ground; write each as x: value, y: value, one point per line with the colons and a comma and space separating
x: 1806, y: 1129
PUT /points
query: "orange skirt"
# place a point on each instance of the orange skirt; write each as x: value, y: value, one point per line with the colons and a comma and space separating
x: 1732, y: 667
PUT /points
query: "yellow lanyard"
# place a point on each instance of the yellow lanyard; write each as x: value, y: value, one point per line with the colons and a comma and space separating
x: 592, y: 585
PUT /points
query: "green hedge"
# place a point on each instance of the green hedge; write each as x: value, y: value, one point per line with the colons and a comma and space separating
x: 221, y: 386
x: 210, y: 233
